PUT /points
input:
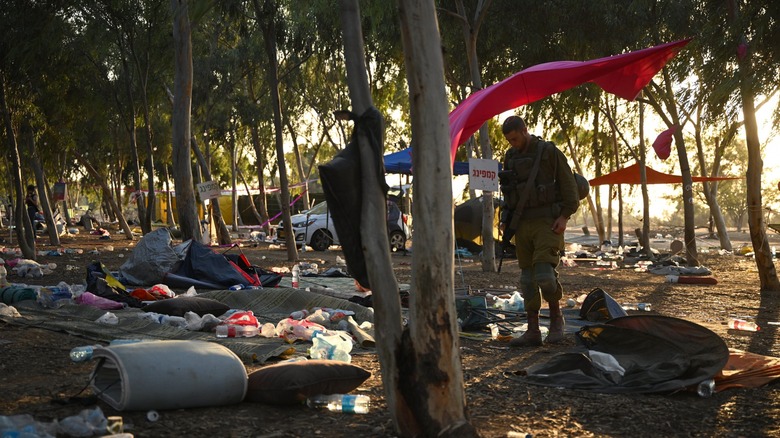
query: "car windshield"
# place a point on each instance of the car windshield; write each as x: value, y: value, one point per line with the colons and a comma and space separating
x: 321, y: 208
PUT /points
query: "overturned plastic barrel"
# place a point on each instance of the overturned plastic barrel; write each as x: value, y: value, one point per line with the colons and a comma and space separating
x: 172, y: 374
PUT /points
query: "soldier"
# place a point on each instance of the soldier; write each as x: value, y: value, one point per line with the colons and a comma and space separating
x: 540, y: 196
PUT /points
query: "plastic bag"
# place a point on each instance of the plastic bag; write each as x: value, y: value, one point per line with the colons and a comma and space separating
x: 292, y: 329
x: 108, y: 318
x: 162, y: 291
x: 90, y: 299
x: 335, y: 345
x: 242, y: 318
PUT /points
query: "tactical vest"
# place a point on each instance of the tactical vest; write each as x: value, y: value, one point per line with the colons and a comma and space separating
x: 542, y: 196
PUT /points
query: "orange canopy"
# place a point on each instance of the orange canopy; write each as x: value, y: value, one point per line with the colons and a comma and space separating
x: 630, y: 175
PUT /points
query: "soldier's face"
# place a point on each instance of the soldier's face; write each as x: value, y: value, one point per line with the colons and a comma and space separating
x: 516, y: 139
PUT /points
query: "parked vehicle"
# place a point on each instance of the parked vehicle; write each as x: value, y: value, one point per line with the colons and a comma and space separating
x: 315, y: 227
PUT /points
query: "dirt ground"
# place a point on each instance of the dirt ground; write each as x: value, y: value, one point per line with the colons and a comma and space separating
x: 39, y: 379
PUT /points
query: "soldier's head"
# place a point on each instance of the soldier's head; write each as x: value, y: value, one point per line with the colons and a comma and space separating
x: 515, y: 132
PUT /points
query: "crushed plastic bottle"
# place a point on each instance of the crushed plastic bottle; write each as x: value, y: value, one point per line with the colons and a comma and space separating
x: 645, y: 307
x: 82, y: 353
x: 352, y: 404
x: 741, y: 324
x: 706, y: 388
x: 236, y: 331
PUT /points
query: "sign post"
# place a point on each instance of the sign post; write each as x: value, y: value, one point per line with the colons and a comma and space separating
x: 209, y: 190
x: 483, y: 174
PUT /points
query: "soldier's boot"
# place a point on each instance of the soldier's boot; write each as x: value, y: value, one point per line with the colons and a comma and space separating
x: 533, y: 336
x: 557, y: 324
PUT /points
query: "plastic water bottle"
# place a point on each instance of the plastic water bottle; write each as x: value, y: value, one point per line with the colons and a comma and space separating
x: 645, y: 307
x: 741, y: 324
x: 82, y: 354
x: 296, y: 273
x: 352, y: 404
x: 706, y: 388
x: 236, y: 331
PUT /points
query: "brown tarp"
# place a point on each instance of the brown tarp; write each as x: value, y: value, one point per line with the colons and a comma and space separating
x: 630, y: 175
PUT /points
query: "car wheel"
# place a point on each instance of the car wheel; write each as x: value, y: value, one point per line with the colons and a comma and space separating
x: 320, y: 241
x: 397, y: 241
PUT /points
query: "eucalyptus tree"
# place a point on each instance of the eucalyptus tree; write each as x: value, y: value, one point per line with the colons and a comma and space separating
x: 751, y: 32
x: 140, y: 35
x: 30, y: 65
x: 267, y: 17
x: 182, y: 134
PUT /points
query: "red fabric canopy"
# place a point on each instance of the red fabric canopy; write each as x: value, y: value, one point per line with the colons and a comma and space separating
x: 623, y: 75
x: 630, y: 175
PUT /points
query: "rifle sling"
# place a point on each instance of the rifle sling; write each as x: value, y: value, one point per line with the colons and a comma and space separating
x: 531, y: 182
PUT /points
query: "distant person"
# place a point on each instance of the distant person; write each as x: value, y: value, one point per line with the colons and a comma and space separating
x: 31, y: 201
x: 540, y: 196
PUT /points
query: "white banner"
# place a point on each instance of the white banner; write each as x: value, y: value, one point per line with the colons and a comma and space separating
x: 483, y: 174
x: 209, y: 190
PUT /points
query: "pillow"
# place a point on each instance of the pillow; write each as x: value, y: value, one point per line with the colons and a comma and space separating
x: 293, y: 382
x: 180, y: 305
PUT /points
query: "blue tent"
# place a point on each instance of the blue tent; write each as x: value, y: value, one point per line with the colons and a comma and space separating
x: 401, y: 162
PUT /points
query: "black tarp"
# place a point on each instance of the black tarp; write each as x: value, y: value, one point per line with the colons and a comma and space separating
x: 341, y: 183
x: 656, y: 354
x: 205, y: 268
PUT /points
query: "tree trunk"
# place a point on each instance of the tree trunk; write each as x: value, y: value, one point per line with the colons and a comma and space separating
x: 21, y: 219
x: 710, y: 190
x: 644, y: 239
x: 169, y: 218
x: 596, y: 208
x: 233, y: 179
x: 767, y: 273
x: 299, y: 166
x: 390, y: 342
x: 267, y: 20
x: 215, y: 217
x: 140, y: 202
x: 182, y: 101
x: 40, y: 181
x: 107, y: 195
x: 252, y: 206
x: 259, y: 161
x: 470, y: 33
x: 431, y: 379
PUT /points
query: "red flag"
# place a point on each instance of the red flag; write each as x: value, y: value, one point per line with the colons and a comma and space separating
x: 663, y: 143
x: 623, y: 75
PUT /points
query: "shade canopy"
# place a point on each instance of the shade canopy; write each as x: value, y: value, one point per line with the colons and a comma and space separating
x: 401, y: 162
x: 623, y: 75
x: 630, y: 175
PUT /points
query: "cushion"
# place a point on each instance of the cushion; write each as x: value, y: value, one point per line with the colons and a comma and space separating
x: 180, y: 305
x: 293, y: 382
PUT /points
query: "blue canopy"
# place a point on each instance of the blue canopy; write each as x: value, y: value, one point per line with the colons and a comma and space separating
x: 401, y: 162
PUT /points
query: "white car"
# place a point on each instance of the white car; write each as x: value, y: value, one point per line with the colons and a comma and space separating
x: 315, y: 227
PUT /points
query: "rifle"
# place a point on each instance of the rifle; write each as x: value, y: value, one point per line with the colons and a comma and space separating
x: 505, y: 242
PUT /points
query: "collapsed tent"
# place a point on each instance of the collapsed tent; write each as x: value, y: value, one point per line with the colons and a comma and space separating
x: 467, y: 220
x: 401, y: 162
x: 637, y: 353
x: 622, y: 75
x: 190, y: 263
x: 631, y: 175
